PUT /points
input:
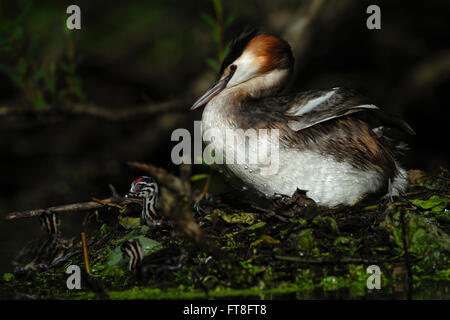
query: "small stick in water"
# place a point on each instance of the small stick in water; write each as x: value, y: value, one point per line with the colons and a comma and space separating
x: 85, y: 253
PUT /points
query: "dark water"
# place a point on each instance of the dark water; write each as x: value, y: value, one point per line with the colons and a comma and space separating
x: 15, y: 234
x: 429, y: 290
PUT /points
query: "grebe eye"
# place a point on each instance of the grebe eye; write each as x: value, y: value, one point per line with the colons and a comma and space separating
x: 233, y: 67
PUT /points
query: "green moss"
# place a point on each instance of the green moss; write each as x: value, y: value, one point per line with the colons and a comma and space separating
x: 237, y: 217
x: 305, y: 242
x: 425, y: 240
x: 217, y: 293
x: 327, y: 223
x: 130, y: 222
x: 326, y: 256
x: 7, y: 277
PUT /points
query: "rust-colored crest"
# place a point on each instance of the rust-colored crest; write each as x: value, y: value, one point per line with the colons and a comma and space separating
x: 274, y: 52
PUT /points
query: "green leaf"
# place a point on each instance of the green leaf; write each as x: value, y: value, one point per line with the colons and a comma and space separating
x: 225, y: 51
x: 8, y: 277
x: 39, y: 74
x: 40, y: 103
x: 341, y: 241
x: 436, y: 203
x: 130, y: 222
x: 328, y: 222
x: 257, y: 225
x: 200, y: 176
x: 213, y: 64
x: 213, y: 165
x: 269, y: 239
x: 242, y: 217
x: 306, y: 242
x: 148, y: 245
x: 444, y: 216
x: 229, y: 21
x: 104, y: 229
x: 208, y: 19
x: 116, y: 258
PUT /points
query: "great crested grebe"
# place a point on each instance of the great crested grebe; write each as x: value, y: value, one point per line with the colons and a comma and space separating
x: 168, y: 258
x: 45, y: 252
x: 146, y: 188
x: 331, y: 142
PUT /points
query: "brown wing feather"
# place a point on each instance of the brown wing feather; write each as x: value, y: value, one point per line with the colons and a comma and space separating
x: 344, y: 138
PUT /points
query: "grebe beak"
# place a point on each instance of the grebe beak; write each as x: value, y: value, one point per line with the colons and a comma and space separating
x: 213, y: 90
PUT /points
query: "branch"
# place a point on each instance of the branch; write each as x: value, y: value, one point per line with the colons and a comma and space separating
x: 74, y: 207
x: 301, y: 31
x: 179, y: 209
x: 422, y: 79
x: 100, y: 112
x: 333, y: 261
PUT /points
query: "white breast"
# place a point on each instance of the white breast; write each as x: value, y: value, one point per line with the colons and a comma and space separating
x: 327, y: 181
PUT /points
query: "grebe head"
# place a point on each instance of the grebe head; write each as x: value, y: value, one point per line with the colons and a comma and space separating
x: 256, y: 65
x: 145, y: 188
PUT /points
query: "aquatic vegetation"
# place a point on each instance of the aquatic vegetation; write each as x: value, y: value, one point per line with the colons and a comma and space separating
x: 308, y: 256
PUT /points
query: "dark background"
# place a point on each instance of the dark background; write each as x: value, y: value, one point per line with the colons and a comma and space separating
x: 141, y: 53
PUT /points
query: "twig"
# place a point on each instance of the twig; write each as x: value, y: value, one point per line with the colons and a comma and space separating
x: 324, y: 261
x: 99, y: 112
x: 180, y: 215
x: 111, y: 203
x: 185, y: 176
x: 206, y: 186
x: 301, y: 31
x: 85, y: 253
x: 219, y: 24
x: 114, y: 195
x: 74, y: 207
x: 271, y: 213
